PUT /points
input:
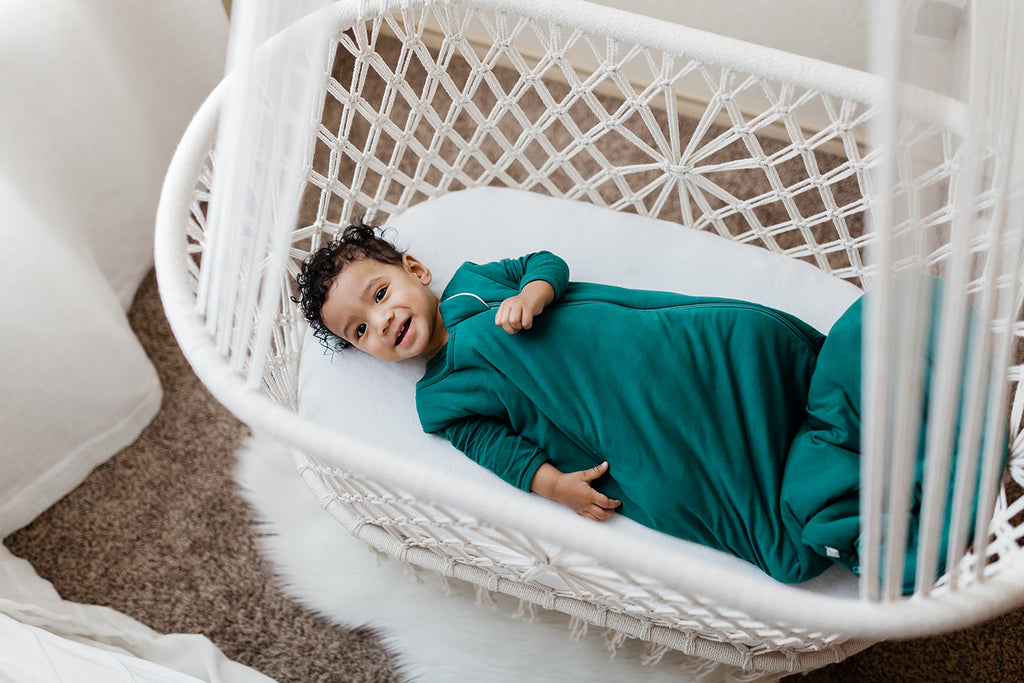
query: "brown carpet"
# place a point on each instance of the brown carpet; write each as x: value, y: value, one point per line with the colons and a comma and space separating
x: 159, y: 533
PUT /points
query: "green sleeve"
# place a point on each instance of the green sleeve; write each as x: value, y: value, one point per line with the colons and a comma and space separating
x: 541, y: 265
x: 492, y: 444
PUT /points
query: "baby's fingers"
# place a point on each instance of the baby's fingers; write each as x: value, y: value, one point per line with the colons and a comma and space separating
x: 525, y: 319
x: 597, y: 513
x: 508, y: 316
x: 605, y: 503
x: 595, y: 472
x: 601, y: 507
x: 501, y: 317
x: 511, y: 321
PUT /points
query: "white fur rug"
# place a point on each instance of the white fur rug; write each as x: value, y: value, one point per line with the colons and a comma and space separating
x: 435, y: 636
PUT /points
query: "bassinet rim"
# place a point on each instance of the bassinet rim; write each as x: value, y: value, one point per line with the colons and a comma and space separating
x: 762, y: 598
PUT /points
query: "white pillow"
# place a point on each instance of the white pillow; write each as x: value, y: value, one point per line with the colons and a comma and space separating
x: 600, y: 245
x: 76, y: 385
x: 84, y: 145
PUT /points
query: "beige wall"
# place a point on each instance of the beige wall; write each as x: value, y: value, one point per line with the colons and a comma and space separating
x: 839, y: 33
x: 839, y: 38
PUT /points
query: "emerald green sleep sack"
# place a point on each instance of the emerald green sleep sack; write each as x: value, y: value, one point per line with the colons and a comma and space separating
x: 724, y: 422
x: 693, y: 401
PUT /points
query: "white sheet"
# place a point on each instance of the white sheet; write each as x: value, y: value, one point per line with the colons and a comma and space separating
x: 76, y: 385
x: 486, y: 224
x: 45, y: 638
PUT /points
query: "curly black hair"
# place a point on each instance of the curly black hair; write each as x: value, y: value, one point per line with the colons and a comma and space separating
x: 323, y: 266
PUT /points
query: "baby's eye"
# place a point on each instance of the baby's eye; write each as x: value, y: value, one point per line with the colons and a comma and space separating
x: 380, y: 294
x: 361, y: 330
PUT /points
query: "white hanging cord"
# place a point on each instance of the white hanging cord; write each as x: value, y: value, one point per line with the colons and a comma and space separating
x: 947, y: 407
x: 996, y: 86
x: 952, y: 402
x: 996, y: 104
x: 968, y: 392
x: 263, y: 150
x: 878, y: 329
x: 912, y: 304
x: 1008, y: 226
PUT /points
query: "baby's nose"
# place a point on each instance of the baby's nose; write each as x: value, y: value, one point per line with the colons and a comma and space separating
x: 384, y: 320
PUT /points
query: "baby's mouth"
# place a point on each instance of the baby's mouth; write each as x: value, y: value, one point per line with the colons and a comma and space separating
x: 401, y: 332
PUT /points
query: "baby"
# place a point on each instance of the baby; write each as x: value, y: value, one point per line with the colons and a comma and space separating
x: 360, y: 291
x: 694, y: 401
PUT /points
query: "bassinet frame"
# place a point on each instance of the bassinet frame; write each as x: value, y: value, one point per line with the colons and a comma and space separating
x: 398, y: 506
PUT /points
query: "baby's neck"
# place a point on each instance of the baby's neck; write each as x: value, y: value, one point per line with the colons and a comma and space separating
x: 439, y: 337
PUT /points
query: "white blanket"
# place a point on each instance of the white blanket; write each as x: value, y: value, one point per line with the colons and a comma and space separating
x: 45, y: 638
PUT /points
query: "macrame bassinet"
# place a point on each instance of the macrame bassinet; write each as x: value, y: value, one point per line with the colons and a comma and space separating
x: 422, y: 98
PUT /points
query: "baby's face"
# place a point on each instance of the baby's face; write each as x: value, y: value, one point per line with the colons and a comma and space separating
x: 385, y: 310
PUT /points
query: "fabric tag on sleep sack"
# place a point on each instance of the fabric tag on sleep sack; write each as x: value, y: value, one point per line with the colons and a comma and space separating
x: 831, y: 552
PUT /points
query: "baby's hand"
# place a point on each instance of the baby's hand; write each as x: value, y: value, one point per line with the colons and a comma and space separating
x: 517, y: 312
x: 573, y: 490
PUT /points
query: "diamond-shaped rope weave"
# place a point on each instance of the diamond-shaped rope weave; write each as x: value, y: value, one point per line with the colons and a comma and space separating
x: 432, y: 120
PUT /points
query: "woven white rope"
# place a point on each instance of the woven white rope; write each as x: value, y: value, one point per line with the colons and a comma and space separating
x: 980, y: 257
x: 685, y: 175
x: 264, y: 146
x: 415, y: 107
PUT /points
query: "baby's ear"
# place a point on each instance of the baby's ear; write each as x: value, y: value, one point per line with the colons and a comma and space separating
x: 420, y: 271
